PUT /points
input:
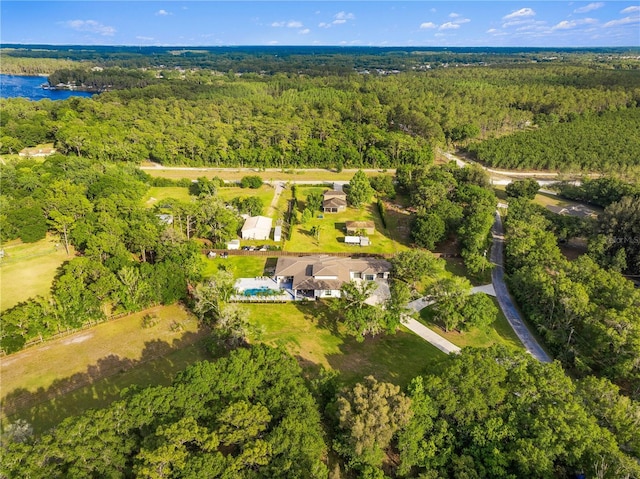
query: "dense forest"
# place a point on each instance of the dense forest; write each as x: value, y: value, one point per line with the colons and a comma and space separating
x: 609, y: 141
x: 588, y: 315
x: 484, y: 414
x: 206, y: 118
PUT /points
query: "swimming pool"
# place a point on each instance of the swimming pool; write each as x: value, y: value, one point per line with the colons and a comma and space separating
x: 262, y: 291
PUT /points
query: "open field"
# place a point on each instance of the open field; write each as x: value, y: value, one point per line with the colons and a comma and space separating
x: 58, y: 366
x: 310, y: 333
x: 231, y: 174
x: 28, y: 269
x: 499, y: 332
x: 91, y: 368
x: 546, y: 200
x: 157, y: 194
x: 102, y: 392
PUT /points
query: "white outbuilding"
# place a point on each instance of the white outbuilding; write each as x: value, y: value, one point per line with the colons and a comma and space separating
x: 256, y: 228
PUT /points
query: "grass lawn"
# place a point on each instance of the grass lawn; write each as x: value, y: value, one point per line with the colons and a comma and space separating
x: 332, y: 232
x: 499, y: 332
x: 265, y: 193
x: 230, y: 174
x: 309, y: 332
x: 32, y: 375
x: 28, y: 269
x: 240, y: 266
x: 155, y: 372
x: 159, y: 193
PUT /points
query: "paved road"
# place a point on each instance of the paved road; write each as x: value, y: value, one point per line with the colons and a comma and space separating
x: 425, y: 333
x: 504, y: 298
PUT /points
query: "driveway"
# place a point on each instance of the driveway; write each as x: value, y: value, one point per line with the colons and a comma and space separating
x: 504, y: 298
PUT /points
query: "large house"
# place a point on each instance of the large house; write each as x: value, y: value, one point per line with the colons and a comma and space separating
x: 334, y: 201
x: 322, y: 276
x: 256, y: 228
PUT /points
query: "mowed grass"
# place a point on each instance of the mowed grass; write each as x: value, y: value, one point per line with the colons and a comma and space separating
x: 265, y: 193
x: 107, y: 346
x: 157, y: 194
x: 332, y: 232
x: 499, y: 332
x: 240, y: 266
x: 310, y: 332
x: 27, y: 269
x: 156, y: 372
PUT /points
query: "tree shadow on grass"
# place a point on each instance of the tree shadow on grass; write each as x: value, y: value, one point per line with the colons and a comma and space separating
x: 320, y: 313
x: 100, y: 384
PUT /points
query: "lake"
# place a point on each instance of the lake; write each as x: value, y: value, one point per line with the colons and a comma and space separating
x: 29, y: 87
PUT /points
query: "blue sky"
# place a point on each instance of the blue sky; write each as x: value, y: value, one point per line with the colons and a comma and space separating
x: 358, y: 23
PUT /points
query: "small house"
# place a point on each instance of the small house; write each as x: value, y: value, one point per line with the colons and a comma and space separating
x: 257, y: 228
x: 356, y: 227
x: 277, y: 233
x: 233, y: 244
x: 334, y: 201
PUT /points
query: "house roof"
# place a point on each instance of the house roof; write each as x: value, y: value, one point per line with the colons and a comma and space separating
x: 334, y: 203
x: 360, y: 224
x: 257, y: 222
x: 304, y: 270
x: 334, y: 194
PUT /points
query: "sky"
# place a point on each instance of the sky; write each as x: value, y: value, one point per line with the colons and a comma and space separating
x: 351, y: 23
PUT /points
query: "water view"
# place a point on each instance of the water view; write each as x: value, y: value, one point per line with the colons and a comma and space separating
x: 30, y: 87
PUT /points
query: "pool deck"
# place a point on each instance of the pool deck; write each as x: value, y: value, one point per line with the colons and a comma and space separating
x: 261, y: 282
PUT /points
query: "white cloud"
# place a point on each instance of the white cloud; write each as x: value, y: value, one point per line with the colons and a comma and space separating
x: 294, y: 24
x: 304, y: 32
x: 454, y: 15
x: 566, y: 25
x: 589, y: 8
x: 492, y: 30
x: 338, y: 19
x: 461, y: 21
x: 91, y: 26
x: 426, y: 25
x: 344, y: 16
x: 278, y: 24
x: 449, y: 26
x: 145, y: 39
x: 523, y: 12
x: 631, y: 9
x: 622, y: 21
x: 163, y: 13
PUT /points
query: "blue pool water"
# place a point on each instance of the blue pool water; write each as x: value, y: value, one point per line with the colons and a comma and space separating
x: 259, y: 291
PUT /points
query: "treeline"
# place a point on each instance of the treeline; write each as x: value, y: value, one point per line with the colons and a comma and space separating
x: 319, y: 60
x: 606, y: 142
x: 12, y: 65
x: 510, y: 416
x: 102, y: 79
x: 599, y: 191
x: 450, y: 200
x: 587, y: 315
x: 331, y: 121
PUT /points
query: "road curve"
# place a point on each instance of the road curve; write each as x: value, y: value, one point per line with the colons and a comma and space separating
x: 504, y: 298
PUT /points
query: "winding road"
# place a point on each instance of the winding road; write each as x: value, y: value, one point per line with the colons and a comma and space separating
x: 504, y: 298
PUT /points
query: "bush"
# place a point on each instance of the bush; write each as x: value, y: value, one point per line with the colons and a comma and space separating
x: 251, y: 181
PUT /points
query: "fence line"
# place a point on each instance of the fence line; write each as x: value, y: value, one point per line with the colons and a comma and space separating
x: 278, y: 253
x: 69, y: 332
